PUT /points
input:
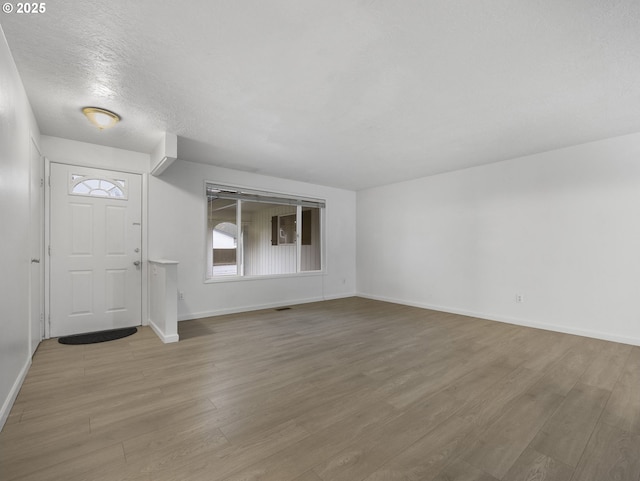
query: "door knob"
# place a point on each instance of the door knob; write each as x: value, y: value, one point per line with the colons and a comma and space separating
x: 136, y: 263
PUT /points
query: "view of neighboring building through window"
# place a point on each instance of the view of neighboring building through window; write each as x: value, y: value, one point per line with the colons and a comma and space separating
x: 251, y: 233
x: 225, y: 247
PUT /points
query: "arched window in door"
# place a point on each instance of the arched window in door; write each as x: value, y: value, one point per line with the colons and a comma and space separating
x: 97, y: 187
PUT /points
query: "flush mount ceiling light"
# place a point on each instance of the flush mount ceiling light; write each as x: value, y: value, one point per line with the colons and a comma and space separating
x: 101, y: 118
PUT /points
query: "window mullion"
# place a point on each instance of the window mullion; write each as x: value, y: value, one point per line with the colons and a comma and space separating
x: 210, y: 226
x: 239, y: 241
x: 298, y: 238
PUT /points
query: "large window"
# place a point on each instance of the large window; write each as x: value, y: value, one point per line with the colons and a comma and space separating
x: 253, y: 233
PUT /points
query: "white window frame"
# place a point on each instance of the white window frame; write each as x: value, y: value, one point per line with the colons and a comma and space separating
x: 296, y: 199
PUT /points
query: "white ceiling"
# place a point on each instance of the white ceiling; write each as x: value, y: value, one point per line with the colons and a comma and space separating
x: 347, y: 93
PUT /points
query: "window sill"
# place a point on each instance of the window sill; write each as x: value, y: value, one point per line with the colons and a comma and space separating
x: 260, y: 278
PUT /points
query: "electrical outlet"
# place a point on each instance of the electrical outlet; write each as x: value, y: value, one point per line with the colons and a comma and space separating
x: 519, y: 298
x: 181, y: 295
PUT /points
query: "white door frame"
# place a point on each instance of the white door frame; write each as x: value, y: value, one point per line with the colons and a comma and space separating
x: 47, y: 241
x: 39, y: 176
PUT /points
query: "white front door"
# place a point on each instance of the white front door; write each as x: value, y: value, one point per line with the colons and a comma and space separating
x: 96, y: 242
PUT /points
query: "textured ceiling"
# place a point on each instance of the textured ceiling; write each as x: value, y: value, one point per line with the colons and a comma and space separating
x: 344, y: 93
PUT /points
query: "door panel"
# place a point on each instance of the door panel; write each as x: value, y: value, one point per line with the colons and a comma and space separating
x: 81, y: 234
x: 115, y: 230
x: 81, y: 292
x: 116, y: 280
x: 95, y: 240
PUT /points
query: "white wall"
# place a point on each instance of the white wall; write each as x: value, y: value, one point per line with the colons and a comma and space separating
x: 561, y: 228
x: 17, y: 125
x: 90, y: 155
x: 163, y: 308
x: 177, y: 231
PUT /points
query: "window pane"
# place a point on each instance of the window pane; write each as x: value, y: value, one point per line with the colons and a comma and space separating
x: 311, y: 255
x: 262, y: 253
x: 116, y: 192
x: 225, y: 244
x: 81, y: 185
x: 223, y: 238
x: 81, y: 189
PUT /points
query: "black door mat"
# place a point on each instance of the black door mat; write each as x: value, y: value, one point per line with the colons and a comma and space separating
x: 100, y: 336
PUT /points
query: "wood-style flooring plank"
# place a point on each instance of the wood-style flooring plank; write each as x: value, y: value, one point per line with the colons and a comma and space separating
x: 612, y: 454
x: 428, y: 456
x: 322, y: 446
x: 534, y: 466
x: 606, y: 368
x: 191, y: 434
x: 79, y: 468
x: 565, y: 435
x: 150, y: 420
x: 487, y: 406
x: 308, y: 476
x: 366, y: 454
x: 563, y: 374
x: 501, y: 445
x: 18, y: 459
x: 461, y: 471
x: 623, y: 407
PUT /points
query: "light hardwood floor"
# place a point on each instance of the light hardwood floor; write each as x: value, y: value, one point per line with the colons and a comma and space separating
x: 351, y: 389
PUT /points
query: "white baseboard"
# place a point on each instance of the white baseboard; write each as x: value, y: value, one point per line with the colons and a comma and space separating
x: 13, y: 394
x: 605, y: 336
x: 339, y: 296
x: 163, y: 337
x: 257, y: 307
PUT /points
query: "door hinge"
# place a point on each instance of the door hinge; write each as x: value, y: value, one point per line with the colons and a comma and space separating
x: 49, y: 250
x: 49, y: 181
x: 41, y: 182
